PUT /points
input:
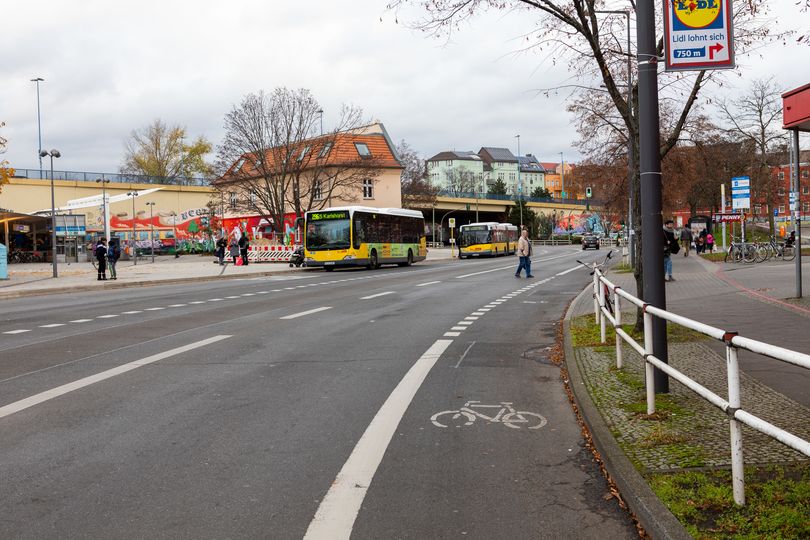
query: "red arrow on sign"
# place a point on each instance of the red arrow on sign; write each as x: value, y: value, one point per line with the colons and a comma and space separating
x: 713, y: 49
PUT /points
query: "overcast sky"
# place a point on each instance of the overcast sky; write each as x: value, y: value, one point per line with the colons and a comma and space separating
x: 111, y: 67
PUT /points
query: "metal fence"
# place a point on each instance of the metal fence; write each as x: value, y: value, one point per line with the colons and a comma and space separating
x: 602, y: 288
x: 498, y: 197
x: 117, y: 178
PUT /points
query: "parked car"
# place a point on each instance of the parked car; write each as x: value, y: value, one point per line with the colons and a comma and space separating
x: 590, y: 241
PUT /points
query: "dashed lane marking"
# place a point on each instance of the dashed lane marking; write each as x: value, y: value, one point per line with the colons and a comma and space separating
x: 16, y: 331
x: 376, y: 295
x: 428, y: 283
x: 52, y: 325
x: 108, y: 316
x: 303, y: 313
x: 82, y: 320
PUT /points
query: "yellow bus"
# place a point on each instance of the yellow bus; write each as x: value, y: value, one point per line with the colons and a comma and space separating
x: 490, y: 238
x: 362, y: 236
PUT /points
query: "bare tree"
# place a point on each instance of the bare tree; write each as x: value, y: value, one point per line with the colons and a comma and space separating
x: 460, y: 181
x: 756, y: 117
x: 416, y: 189
x: 273, y: 161
x: 593, y: 46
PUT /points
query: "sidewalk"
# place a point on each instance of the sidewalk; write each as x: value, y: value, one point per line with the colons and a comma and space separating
x: 37, y: 278
x: 692, y: 432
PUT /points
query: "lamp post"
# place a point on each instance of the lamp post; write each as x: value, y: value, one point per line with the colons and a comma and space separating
x: 519, y: 185
x: 53, y: 154
x: 36, y: 81
x: 133, y: 194
x: 104, y: 207
x: 631, y: 237
x: 151, y: 205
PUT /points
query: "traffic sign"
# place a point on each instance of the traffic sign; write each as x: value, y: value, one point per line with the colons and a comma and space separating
x: 775, y: 212
x: 727, y: 218
x: 451, y: 222
x: 794, y: 200
x: 740, y: 192
x: 698, y: 35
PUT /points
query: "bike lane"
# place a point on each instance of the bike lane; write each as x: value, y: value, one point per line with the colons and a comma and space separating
x: 478, y: 478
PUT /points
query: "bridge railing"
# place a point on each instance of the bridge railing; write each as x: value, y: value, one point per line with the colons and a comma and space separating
x: 118, y: 178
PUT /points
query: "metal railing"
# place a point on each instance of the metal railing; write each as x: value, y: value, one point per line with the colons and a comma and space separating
x: 117, y: 178
x: 731, y: 406
x: 553, y: 242
x: 499, y: 197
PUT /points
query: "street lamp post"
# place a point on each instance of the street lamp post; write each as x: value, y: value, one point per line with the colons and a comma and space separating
x: 53, y: 154
x: 519, y: 185
x: 151, y: 205
x: 133, y: 194
x: 104, y: 207
x: 38, y: 80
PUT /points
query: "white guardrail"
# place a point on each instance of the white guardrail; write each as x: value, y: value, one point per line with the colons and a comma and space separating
x: 730, y: 406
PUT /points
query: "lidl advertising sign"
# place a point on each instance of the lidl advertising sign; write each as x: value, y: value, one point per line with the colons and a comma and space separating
x: 698, y: 35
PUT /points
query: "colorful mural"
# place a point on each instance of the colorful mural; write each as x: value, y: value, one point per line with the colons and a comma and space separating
x: 189, y: 224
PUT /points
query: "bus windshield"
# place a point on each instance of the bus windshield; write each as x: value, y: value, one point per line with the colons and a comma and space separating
x: 471, y: 238
x: 328, y: 234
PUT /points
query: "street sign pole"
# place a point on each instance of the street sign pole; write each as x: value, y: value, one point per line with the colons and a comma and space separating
x: 723, y: 210
x: 797, y: 222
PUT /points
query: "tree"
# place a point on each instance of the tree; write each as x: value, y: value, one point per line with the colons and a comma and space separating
x: 755, y: 117
x: 416, y: 189
x: 541, y: 193
x: 529, y: 217
x: 460, y: 182
x: 273, y: 161
x: 5, y: 171
x: 497, y: 188
x: 159, y: 150
x: 592, y: 44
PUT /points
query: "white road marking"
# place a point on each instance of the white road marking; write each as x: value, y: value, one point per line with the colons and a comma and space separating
x: 263, y: 292
x: 92, y: 379
x: 122, y: 313
x: 485, y: 309
x: 457, y: 328
x: 464, y: 323
x: 195, y: 302
x: 569, y: 270
x: 452, y: 334
x: 177, y: 305
x: 303, y: 313
x: 84, y: 320
x: 215, y: 299
x: 289, y: 288
x: 276, y: 290
x: 529, y: 302
x: 428, y: 283
x: 52, y: 325
x: 463, y: 356
x: 470, y: 318
x: 512, y: 266
x: 376, y: 295
x: 479, y: 313
x: 231, y: 297
x: 338, y: 509
x: 16, y: 331
x: 108, y: 316
x: 249, y: 294
x: 154, y: 308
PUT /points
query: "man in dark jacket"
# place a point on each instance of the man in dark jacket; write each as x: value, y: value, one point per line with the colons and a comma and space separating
x: 670, y: 247
x: 101, y: 259
x: 243, y: 248
x: 222, y: 244
x: 113, y: 254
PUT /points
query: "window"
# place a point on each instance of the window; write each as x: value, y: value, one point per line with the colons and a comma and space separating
x: 325, y: 149
x: 805, y: 174
x: 317, y: 192
x: 781, y: 175
x: 757, y: 209
x: 368, y: 189
x: 781, y: 208
x: 781, y: 192
x: 303, y: 154
x: 805, y: 190
x: 238, y: 167
x: 806, y: 207
x: 511, y: 177
x: 252, y: 196
x: 232, y: 199
x: 500, y: 176
x: 362, y: 149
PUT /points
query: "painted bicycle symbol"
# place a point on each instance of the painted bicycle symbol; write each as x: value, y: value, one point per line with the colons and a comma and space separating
x: 504, y: 414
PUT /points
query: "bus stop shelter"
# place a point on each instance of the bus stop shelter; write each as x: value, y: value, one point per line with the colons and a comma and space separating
x: 796, y: 117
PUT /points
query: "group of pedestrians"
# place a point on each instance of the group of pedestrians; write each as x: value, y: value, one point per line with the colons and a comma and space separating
x: 107, y: 257
x: 237, y: 249
x: 703, y: 241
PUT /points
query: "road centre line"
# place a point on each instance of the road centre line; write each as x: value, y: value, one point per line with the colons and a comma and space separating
x: 339, y: 508
x: 577, y: 267
x: 52, y: 325
x: 122, y: 313
x: 16, y: 331
x: 303, y: 313
x: 98, y: 377
x: 510, y: 266
x: 428, y: 283
x: 376, y: 295
x: 83, y: 320
x: 177, y: 305
x: 108, y: 316
x: 154, y: 308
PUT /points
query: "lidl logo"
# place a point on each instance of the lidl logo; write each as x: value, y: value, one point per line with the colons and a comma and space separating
x: 692, y: 14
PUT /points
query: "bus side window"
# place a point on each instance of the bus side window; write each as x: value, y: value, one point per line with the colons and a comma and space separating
x: 359, y: 233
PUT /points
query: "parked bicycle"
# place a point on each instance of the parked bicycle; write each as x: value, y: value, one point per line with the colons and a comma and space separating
x: 601, y: 266
x: 783, y: 250
x: 19, y: 256
x: 741, y: 251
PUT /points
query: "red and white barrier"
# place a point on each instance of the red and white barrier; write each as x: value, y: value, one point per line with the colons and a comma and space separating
x: 270, y: 253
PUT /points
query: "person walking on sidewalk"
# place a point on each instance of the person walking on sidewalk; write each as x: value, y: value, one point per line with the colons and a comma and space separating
x: 113, y: 254
x: 710, y: 242
x: 243, y: 248
x: 686, y: 240
x: 221, y: 245
x: 101, y: 259
x: 525, y: 254
x: 671, y: 247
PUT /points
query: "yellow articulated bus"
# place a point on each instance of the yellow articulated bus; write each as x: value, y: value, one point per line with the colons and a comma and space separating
x: 494, y: 239
x: 362, y: 236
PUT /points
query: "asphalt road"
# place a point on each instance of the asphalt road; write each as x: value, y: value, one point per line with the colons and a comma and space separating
x: 303, y: 405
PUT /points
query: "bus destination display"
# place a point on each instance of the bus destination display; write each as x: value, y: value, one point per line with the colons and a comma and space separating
x: 323, y: 216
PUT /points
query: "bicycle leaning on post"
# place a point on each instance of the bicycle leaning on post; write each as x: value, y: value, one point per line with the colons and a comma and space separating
x: 741, y: 251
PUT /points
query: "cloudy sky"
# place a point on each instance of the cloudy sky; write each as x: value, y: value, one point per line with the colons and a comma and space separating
x: 111, y: 67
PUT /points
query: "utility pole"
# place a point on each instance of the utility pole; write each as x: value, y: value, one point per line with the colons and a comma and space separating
x: 797, y: 221
x: 652, y: 248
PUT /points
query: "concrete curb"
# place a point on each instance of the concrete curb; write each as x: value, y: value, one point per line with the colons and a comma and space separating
x: 651, y: 513
x: 110, y: 285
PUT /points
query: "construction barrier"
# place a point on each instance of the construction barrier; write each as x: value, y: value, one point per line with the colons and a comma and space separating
x: 270, y: 253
